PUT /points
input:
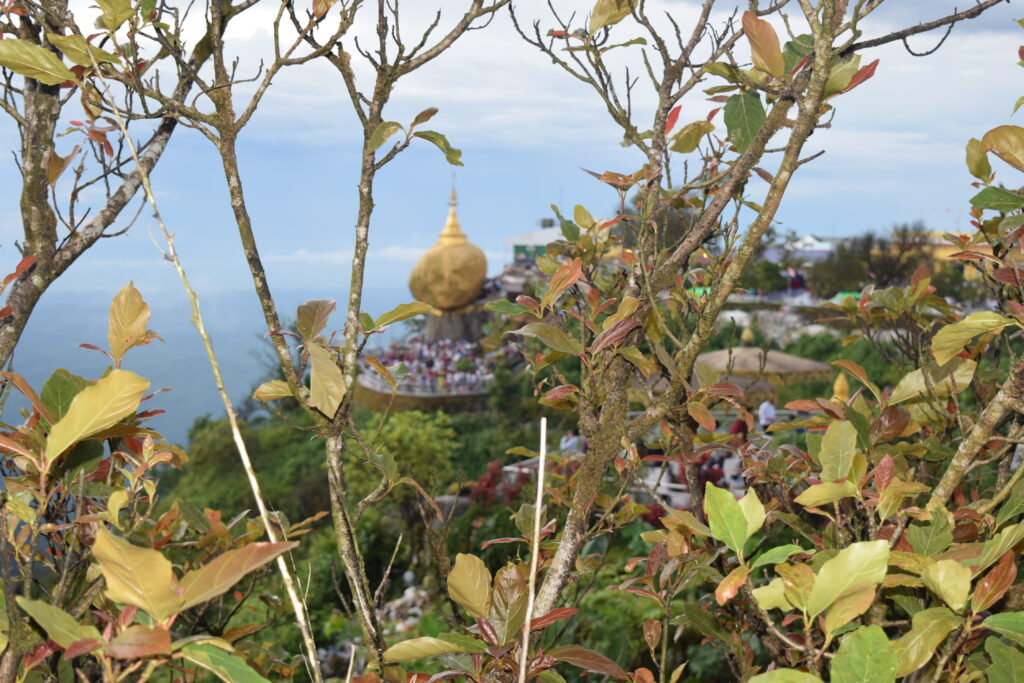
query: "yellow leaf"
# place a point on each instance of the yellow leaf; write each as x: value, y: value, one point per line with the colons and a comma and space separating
x: 847, y: 608
x: 927, y: 631
x: 327, y: 382
x: 129, y: 315
x: 608, y: 13
x: 33, y: 61
x: 95, y: 409
x: 977, y: 161
x: 118, y: 499
x: 137, y: 576
x: 772, y: 596
x: 272, y: 390
x: 469, y: 584
x: 949, y: 580
x: 764, y: 45
x: 822, y: 494
x: 753, y: 512
x: 940, y: 381
x: 730, y: 585
x: 951, y: 339
x: 854, y: 568
x: 57, y: 164
x: 79, y: 51
x: 1008, y: 144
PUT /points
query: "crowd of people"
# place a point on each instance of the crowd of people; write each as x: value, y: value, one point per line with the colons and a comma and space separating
x: 443, y: 367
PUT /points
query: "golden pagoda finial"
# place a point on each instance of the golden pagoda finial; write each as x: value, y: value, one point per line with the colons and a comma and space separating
x: 452, y: 232
x: 747, y: 338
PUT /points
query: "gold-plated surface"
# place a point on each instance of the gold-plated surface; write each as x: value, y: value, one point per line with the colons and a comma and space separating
x: 450, y: 275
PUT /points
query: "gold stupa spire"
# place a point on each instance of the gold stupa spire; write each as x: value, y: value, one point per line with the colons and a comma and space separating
x: 452, y: 231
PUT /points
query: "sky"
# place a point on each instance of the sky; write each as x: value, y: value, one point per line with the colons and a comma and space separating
x: 894, y: 154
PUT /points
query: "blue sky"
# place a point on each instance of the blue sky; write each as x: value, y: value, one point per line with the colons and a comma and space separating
x: 894, y: 154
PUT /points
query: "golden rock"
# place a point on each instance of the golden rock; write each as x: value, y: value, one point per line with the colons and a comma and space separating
x: 451, y: 274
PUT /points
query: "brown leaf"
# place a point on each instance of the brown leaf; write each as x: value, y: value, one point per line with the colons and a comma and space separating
x: 652, y: 632
x: 994, y: 585
x: 614, y: 334
x: 140, y: 641
x: 561, y: 392
x: 892, y: 421
x: 703, y: 416
x: 730, y: 585
x: 565, y: 277
x: 588, y: 660
x: 764, y: 45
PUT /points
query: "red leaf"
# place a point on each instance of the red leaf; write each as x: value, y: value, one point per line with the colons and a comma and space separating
x: 614, y: 334
x: 711, y: 114
x: 551, y: 617
x: 652, y: 633
x: 495, y: 541
x: 566, y: 277
x: 81, y: 647
x: 863, y: 74
x: 803, y: 405
x: 802, y: 64
x: 140, y: 641
x: 6, y: 312
x: 700, y: 413
x: 643, y: 675
x: 22, y: 266
x: 588, y: 660
x: 765, y: 175
x: 673, y: 116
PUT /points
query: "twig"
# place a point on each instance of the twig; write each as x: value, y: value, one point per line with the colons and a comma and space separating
x: 524, y: 654
x: 197, y: 319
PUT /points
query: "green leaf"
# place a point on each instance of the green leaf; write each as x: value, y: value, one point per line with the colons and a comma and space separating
x: 272, y: 390
x: 60, y: 390
x: 469, y: 584
x: 829, y: 492
x: 95, y: 408
x: 402, y: 312
x: 837, y: 450
x: 785, y: 676
x: 1009, y: 624
x: 1007, y: 662
x: 608, y: 13
x: 137, y: 576
x: 327, y: 381
x: 929, y: 628
x: 227, y: 667
x: 1010, y: 509
x: 312, y: 316
x: 551, y: 336
x: 452, y: 155
x: 217, y: 577
x: 996, y: 546
x: 949, y: 580
x: 841, y: 74
x: 744, y: 115
x: 507, y: 610
x: 931, y: 538
x: 506, y: 307
x: 940, y: 381
x: 115, y: 12
x: 383, y: 131
x: 418, y: 648
x: 725, y: 517
x: 865, y: 656
x: 776, y: 555
x: 79, y: 51
x: 61, y: 627
x: 468, y: 643
x: 977, y: 161
x: 33, y: 61
x: 997, y: 199
x: 854, y: 568
x: 794, y: 51
x: 951, y: 339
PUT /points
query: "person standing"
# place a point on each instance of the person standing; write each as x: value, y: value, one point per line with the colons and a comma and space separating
x: 766, y: 414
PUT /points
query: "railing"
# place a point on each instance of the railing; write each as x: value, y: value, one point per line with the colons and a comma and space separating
x: 412, y: 387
